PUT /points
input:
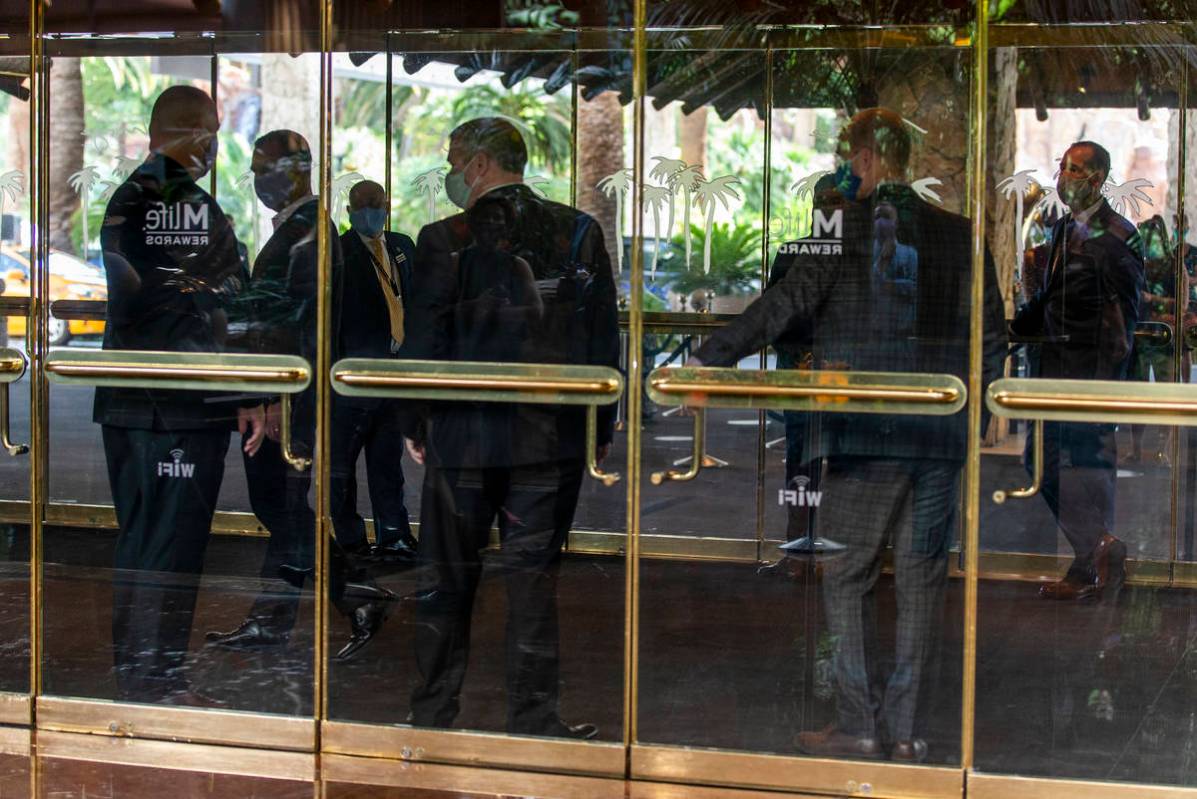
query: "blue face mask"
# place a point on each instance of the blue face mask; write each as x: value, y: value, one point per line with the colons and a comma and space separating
x: 847, y: 183
x: 369, y: 222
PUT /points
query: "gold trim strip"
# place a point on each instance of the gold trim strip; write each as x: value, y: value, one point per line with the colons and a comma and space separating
x: 15, y: 708
x: 192, y: 725
x: 16, y: 742
x: 780, y: 772
x: 565, y: 386
x: 464, y: 780
x: 236, y: 761
x: 131, y: 372
x: 995, y: 786
x: 473, y: 749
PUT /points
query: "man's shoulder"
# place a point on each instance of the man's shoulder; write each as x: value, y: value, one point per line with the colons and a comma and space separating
x: 397, y: 239
x: 1121, y: 228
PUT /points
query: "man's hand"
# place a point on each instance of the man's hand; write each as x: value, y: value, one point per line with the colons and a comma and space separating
x: 601, y: 452
x: 274, y: 421
x: 254, y: 420
x: 416, y: 451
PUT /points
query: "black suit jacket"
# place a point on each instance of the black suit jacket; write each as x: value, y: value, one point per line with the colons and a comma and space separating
x: 565, y: 250
x: 365, y: 331
x: 1088, y: 305
x: 864, y: 313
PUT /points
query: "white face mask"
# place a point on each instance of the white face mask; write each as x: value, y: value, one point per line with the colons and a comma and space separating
x: 456, y: 188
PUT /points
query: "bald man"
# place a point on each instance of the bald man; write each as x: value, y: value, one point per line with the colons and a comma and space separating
x: 173, y: 264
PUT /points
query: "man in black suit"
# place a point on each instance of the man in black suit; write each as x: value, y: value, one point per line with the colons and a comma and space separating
x: 1085, y: 315
x: 377, y: 281
x: 880, y: 298
x: 173, y: 264
x: 516, y: 278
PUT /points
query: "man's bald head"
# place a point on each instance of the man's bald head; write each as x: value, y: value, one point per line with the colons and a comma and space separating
x: 282, y: 167
x: 367, y: 194
x: 183, y: 126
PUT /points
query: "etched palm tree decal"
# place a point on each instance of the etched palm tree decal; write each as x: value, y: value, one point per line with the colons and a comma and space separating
x: 1127, y: 196
x: 430, y: 184
x: 340, y: 188
x: 688, y: 179
x: 655, y: 197
x: 1051, y: 206
x: 666, y: 171
x: 617, y: 185
x: 706, y: 194
x: 245, y: 183
x: 83, y: 182
x: 125, y: 165
x: 537, y: 184
x: 12, y: 186
x: 1018, y: 186
x: 108, y: 187
x: 924, y: 189
x: 805, y: 187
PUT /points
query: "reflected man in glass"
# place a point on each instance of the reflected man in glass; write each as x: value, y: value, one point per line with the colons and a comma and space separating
x: 516, y: 278
x: 1085, y: 313
x: 891, y: 295
x: 173, y: 265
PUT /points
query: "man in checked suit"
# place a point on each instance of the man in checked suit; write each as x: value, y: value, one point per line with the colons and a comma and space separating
x: 514, y: 278
x: 1085, y: 314
x: 886, y: 297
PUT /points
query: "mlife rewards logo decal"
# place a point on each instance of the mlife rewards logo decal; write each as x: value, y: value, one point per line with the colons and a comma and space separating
x: 827, y: 236
x: 176, y: 467
x: 183, y: 223
x: 799, y: 495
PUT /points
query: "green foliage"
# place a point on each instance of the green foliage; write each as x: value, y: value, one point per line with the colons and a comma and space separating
x: 544, y: 121
x: 735, y: 261
x: 546, y: 16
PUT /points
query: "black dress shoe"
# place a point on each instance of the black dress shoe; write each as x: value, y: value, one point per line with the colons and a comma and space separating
x: 294, y: 575
x: 365, y: 622
x: 250, y: 635
x: 559, y: 729
x: 400, y: 551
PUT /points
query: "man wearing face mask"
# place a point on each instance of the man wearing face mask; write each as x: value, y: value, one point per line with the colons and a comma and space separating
x: 882, y: 285
x: 1084, y: 314
x: 280, y: 305
x: 377, y: 280
x: 173, y: 265
x: 514, y: 278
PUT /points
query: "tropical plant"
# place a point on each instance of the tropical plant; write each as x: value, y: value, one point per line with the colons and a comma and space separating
x: 83, y: 182
x: 1125, y: 197
x: 1018, y: 186
x: 617, y: 185
x: 430, y: 184
x: 12, y: 186
x: 546, y: 16
x: 545, y: 122
x: 735, y: 261
x: 654, y: 198
x: 706, y: 195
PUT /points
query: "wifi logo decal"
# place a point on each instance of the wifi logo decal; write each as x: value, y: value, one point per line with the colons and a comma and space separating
x: 176, y: 467
x: 799, y: 494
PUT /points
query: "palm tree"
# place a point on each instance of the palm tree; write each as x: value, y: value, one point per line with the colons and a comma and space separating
x: 430, y: 184
x: 1127, y: 196
x: 666, y: 171
x: 923, y: 189
x: 617, y: 185
x: 706, y: 194
x: 12, y: 186
x: 1051, y: 205
x: 245, y: 183
x: 654, y: 198
x: 83, y: 182
x: 340, y: 188
x: 688, y: 179
x: 1018, y: 185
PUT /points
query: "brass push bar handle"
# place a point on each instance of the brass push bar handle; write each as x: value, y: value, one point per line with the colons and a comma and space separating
x: 189, y: 371
x: 697, y: 452
x: 1098, y: 401
x: 1000, y: 496
x: 808, y: 390
x: 12, y: 366
x: 477, y: 381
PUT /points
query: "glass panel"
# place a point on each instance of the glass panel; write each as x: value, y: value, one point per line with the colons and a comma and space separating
x: 483, y: 623
x: 15, y: 225
x: 844, y: 642
x: 1087, y: 666
x: 154, y: 181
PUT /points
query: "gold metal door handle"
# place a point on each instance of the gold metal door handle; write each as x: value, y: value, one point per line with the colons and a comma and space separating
x: 696, y: 454
x: 1000, y: 496
x: 12, y: 366
x: 592, y: 467
x: 1096, y: 401
x: 298, y: 463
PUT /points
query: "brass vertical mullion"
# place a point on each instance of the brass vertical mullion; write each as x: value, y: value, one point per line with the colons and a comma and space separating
x: 576, y: 95
x: 763, y: 416
x: 978, y: 113
x: 635, y: 382
x: 1178, y: 309
x: 39, y: 84
x: 323, y: 364
x: 213, y: 83
x: 388, y: 138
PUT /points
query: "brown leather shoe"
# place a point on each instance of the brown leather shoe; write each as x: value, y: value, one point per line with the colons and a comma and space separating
x: 1109, y: 560
x: 830, y: 742
x: 1069, y: 589
x: 912, y: 751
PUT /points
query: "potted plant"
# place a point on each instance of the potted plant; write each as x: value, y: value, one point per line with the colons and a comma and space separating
x: 735, y: 274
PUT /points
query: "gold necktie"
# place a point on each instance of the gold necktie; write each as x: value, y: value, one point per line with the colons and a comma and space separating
x: 390, y: 288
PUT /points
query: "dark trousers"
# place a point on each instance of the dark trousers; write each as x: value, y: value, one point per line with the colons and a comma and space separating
x: 534, y: 506
x: 801, y: 428
x: 1080, y: 466
x: 867, y: 503
x: 278, y: 495
x: 376, y: 430
x: 164, y: 486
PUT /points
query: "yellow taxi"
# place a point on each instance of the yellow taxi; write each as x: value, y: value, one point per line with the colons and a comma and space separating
x: 70, y: 279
